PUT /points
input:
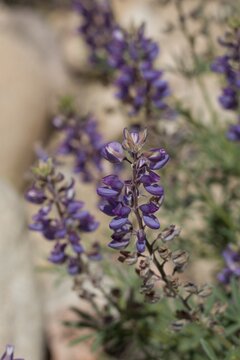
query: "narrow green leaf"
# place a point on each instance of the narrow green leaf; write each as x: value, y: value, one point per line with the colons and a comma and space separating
x: 80, y: 339
x: 209, y: 352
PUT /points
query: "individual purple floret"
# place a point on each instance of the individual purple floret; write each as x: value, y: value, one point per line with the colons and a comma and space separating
x: 82, y: 140
x: 61, y: 218
x: 232, y: 262
x: 139, y: 197
x: 9, y: 353
x: 97, y: 25
x: 229, y: 66
x: 140, y: 84
x: 233, y: 133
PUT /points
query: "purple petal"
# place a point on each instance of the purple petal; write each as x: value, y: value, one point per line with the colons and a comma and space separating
x: 120, y: 244
x: 113, y: 181
x: 151, y: 221
x: 113, y: 152
x: 149, y: 208
x: 155, y: 189
x: 122, y: 211
x: 141, y: 241
x: 75, y: 206
x: 58, y: 255
x: 106, y: 192
x: 158, y: 158
x: 35, y: 196
x: 150, y: 179
x: 107, y: 207
x: 9, y: 353
x: 117, y: 223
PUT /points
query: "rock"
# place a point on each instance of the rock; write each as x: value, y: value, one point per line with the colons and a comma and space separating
x: 20, y: 315
x: 32, y: 76
x: 73, y: 48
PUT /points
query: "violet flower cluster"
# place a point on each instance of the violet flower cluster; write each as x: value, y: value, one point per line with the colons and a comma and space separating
x: 120, y: 199
x: 96, y: 28
x: 61, y: 218
x: 9, y: 354
x: 229, y: 66
x: 232, y: 265
x: 132, y: 204
x: 81, y: 140
x: 140, y: 84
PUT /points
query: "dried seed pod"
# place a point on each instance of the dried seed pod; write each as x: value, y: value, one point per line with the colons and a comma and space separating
x: 180, y: 260
x: 218, y: 308
x: 164, y: 252
x: 180, y: 257
x: 128, y: 257
x: 169, y: 233
x: 205, y: 291
x: 190, y: 288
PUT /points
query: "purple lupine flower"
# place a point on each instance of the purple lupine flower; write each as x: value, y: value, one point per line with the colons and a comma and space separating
x: 113, y: 152
x: 139, y: 83
x: 141, y: 196
x: 9, y: 354
x: 233, y: 133
x: 228, y: 65
x: 61, y: 218
x: 232, y: 261
x: 83, y: 141
x: 96, y: 28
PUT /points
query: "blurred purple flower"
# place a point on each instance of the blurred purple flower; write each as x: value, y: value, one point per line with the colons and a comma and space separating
x: 83, y: 141
x: 232, y: 262
x: 228, y: 65
x: 96, y: 28
x: 139, y: 83
x: 9, y: 354
x: 233, y: 133
x: 61, y: 218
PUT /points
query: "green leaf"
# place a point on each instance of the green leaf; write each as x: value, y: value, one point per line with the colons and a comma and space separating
x: 80, y: 339
x: 82, y: 313
x: 208, y: 350
x: 235, y: 294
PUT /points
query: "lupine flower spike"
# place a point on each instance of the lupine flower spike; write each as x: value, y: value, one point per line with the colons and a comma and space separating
x: 97, y: 25
x: 139, y: 83
x: 119, y: 198
x: 61, y: 218
x: 133, y: 204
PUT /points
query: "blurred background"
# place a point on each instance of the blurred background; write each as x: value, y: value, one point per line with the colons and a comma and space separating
x: 42, y: 57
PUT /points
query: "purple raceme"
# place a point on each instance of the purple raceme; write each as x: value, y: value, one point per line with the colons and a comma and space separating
x: 132, y: 204
x: 140, y: 84
x: 9, y: 354
x: 140, y: 196
x: 82, y: 141
x: 231, y: 257
x: 229, y: 66
x: 97, y: 25
x: 61, y: 218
